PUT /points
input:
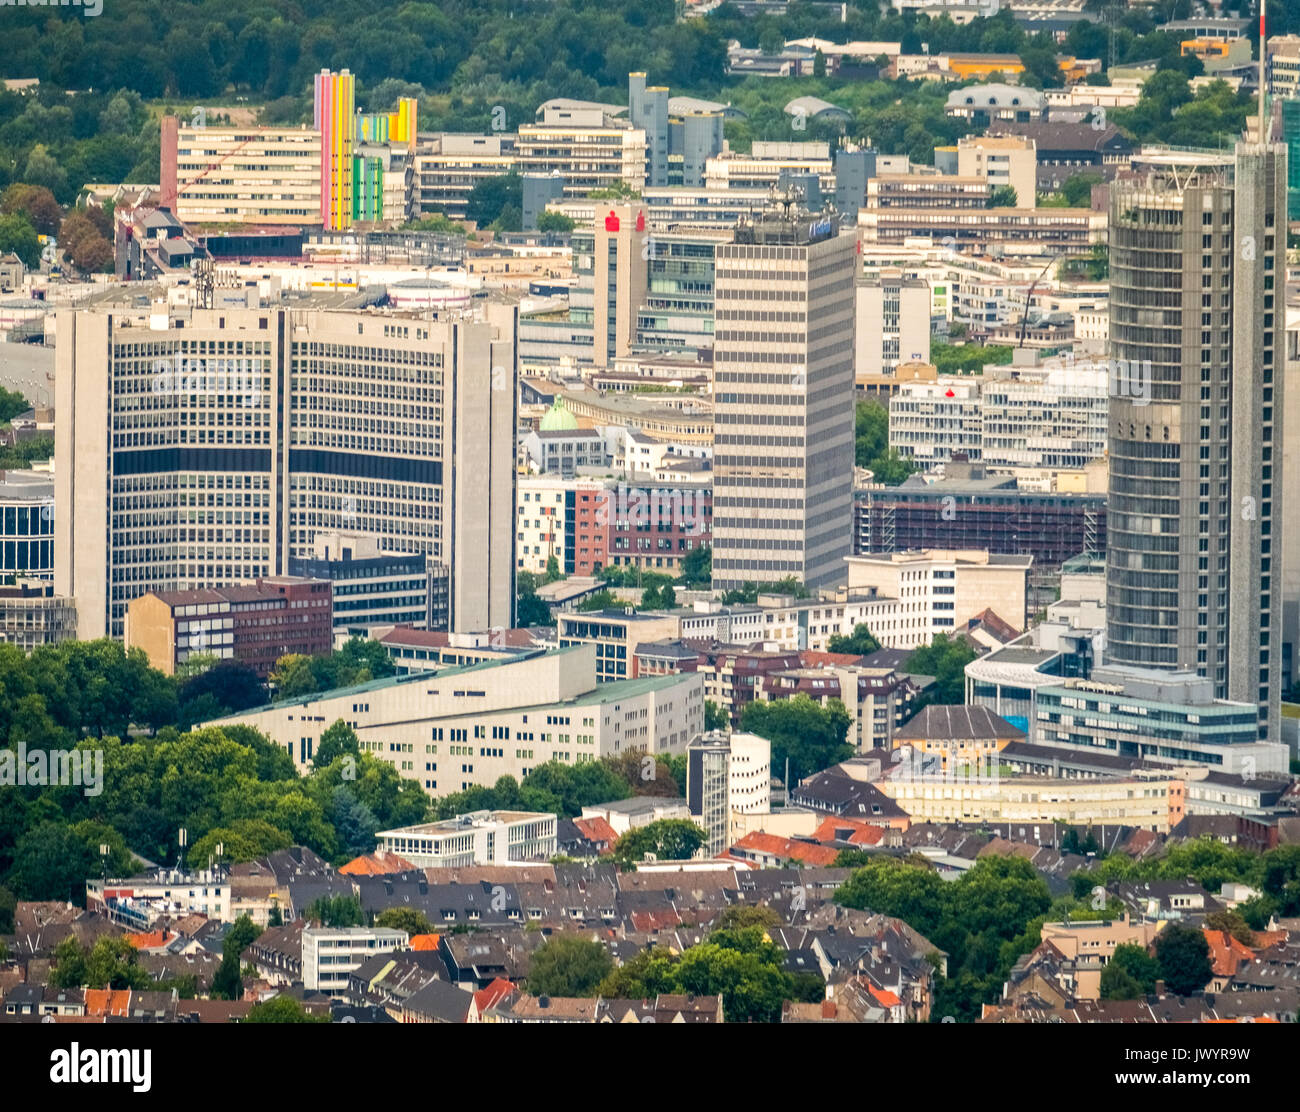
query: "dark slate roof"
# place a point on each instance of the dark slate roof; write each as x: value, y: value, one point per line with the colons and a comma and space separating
x: 957, y: 723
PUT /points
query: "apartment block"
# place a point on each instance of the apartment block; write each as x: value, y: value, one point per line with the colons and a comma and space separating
x: 31, y: 614
x: 372, y: 587
x: 941, y: 590
x: 200, y: 448
x: 461, y: 727
x: 253, y: 624
x: 475, y: 838
x: 1150, y: 803
x: 246, y: 175
x: 996, y: 513
x: 727, y: 774
x: 587, y: 146
x: 977, y: 230
x: 1003, y: 162
x: 448, y: 166
x: 892, y: 324
x: 330, y: 954
x: 26, y: 525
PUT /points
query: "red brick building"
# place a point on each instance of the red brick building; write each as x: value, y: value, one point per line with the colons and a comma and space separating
x: 254, y: 624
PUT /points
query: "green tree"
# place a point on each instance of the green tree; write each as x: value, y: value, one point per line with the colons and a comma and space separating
x: 1118, y: 984
x: 282, y: 1009
x: 1136, y: 962
x: 337, y: 911
x: 408, y: 919
x: 858, y: 643
x: 1077, y: 190
x: 715, y: 718
x: 19, y: 237
x: 1183, y: 956
x: 36, y: 203
x: 740, y: 916
x: 568, y: 965
x: 1004, y: 196
x: 489, y: 199
x: 1232, y: 923
x: 548, y: 221
x: 242, y: 840
x: 435, y: 222
x: 945, y: 658
x: 227, y: 983
x: 112, y: 962
x: 810, y: 736
x: 338, y: 740
x: 667, y: 839
x: 697, y: 567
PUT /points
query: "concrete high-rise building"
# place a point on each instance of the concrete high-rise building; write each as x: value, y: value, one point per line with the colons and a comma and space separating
x: 234, y: 175
x: 209, y: 447
x: 727, y: 774
x: 538, y: 191
x: 335, y: 118
x: 610, y: 262
x: 589, y: 147
x: 783, y: 401
x: 1194, y: 552
x: 893, y: 323
x: 648, y: 110
x: 696, y: 138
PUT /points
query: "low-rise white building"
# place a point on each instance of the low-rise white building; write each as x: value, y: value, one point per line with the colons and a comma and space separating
x: 329, y: 954
x: 462, y: 727
x: 475, y: 838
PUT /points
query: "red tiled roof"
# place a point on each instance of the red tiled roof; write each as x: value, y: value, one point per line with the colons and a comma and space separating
x: 489, y: 997
x: 810, y: 659
x: 863, y: 833
x: 379, y: 863
x: 597, y: 830
x: 1226, y: 953
x: 151, y: 940
x: 655, y: 920
x: 108, y: 1001
x: 884, y: 997
x: 424, y: 941
x: 786, y: 848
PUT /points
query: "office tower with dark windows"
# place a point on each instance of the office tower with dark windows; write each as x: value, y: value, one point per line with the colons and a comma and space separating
x: 1197, y: 274
x: 210, y: 447
x: 783, y: 400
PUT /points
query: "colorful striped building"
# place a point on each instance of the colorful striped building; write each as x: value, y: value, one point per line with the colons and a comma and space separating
x: 336, y: 120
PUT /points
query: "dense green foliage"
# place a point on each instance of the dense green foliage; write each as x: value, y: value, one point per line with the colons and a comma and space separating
x: 568, y: 965
x: 810, y: 736
x: 282, y: 1009
x: 736, y: 963
x: 228, y: 785
x: 951, y: 359
x: 984, y: 920
x: 871, y: 446
x: 359, y: 661
x: 945, y: 658
x: 858, y: 643
x: 1275, y: 873
x: 1183, y: 959
x: 666, y: 839
x: 565, y: 789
